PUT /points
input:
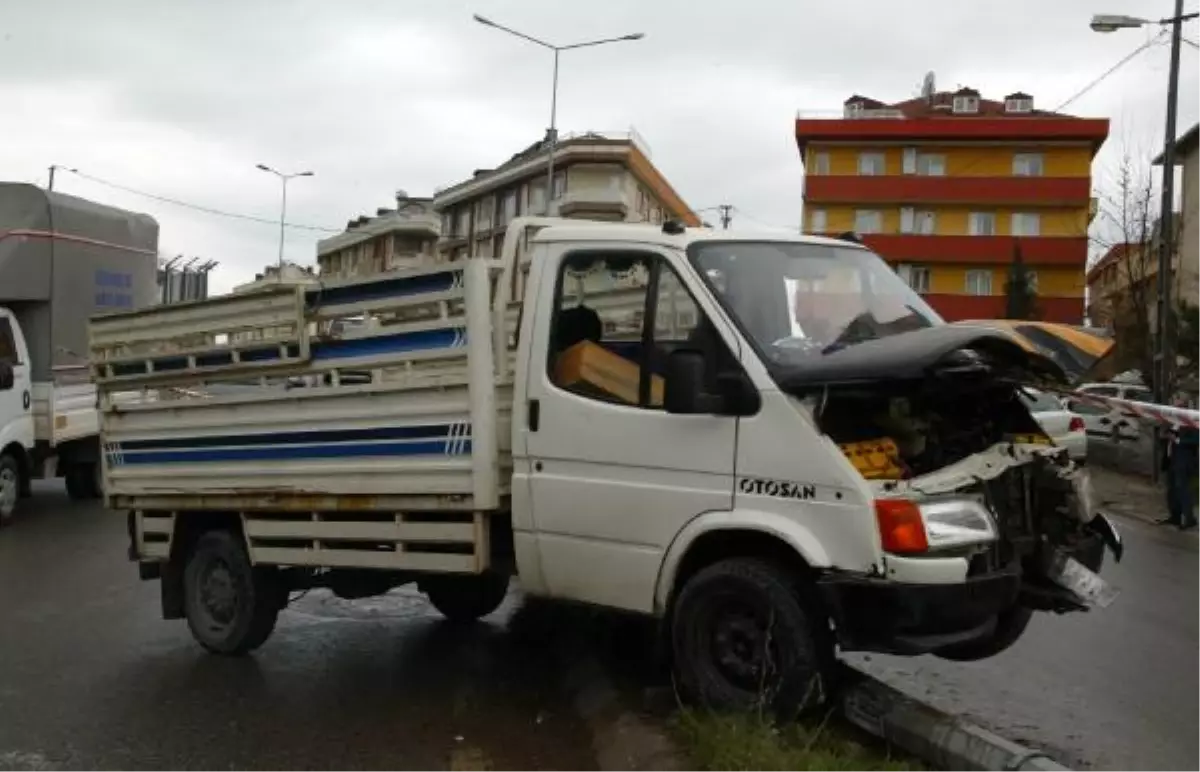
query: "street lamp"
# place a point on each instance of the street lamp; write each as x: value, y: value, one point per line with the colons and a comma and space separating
x: 283, y: 208
x: 1112, y: 23
x: 553, y: 132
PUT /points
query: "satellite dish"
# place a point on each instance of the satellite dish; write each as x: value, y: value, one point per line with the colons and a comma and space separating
x: 928, y: 86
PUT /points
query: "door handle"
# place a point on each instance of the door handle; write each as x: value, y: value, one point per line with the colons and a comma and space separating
x: 1105, y: 422
x: 533, y: 414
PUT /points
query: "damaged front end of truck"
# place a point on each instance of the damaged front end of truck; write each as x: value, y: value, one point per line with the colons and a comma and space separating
x: 960, y: 469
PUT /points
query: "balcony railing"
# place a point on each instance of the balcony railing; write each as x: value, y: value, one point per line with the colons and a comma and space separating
x: 1035, y: 250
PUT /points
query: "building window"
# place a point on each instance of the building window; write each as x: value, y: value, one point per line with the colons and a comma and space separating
x: 853, y: 110
x: 537, y: 197
x: 966, y: 104
x: 509, y: 208
x: 820, y: 163
x: 1026, y: 224
x: 483, y: 214
x: 926, y: 222
x: 931, y: 165
x: 910, y: 160
x: 1018, y: 105
x: 817, y: 221
x: 868, y: 221
x: 1031, y: 280
x: 560, y: 185
x: 979, y: 282
x: 1028, y: 164
x: 447, y: 224
x: 462, y: 222
x: 871, y: 164
x: 915, y: 276
x: 982, y: 224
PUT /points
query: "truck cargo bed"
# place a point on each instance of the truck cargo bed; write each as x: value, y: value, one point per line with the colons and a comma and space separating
x: 259, y: 409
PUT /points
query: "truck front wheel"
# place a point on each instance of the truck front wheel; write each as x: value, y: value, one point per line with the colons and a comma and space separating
x: 230, y: 605
x: 10, y: 486
x: 83, y: 481
x: 744, y: 636
x: 466, y: 598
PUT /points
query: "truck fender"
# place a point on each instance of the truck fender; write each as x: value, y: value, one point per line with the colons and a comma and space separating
x: 785, y: 529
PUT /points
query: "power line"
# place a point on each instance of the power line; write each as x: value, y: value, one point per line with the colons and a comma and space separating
x: 1189, y: 41
x: 199, y: 207
x: 1123, y: 61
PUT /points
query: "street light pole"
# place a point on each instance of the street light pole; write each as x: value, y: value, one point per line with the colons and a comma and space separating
x: 283, y: 178
x: 1166, y: 236
x: 552, y: 133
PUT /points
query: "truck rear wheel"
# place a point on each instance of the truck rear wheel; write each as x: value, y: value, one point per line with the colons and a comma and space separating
x: 10, y: 486
x: 744, y: 636
x: 466, y: 598
x: 231, y: 606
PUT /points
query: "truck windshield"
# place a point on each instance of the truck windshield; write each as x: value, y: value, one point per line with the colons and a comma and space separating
x: 798, y: 300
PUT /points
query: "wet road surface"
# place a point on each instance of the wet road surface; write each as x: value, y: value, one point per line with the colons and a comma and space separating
x: 91, y: 677
x: 1114, y: 688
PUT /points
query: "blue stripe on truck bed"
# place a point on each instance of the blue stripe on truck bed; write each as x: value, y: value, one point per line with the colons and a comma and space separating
x: 455, y: 447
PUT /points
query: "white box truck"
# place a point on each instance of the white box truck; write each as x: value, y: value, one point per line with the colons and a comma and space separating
x: 768, y: 442
x: 62, y: 259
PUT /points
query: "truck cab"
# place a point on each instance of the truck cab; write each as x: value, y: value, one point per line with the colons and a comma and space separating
x: 766, y: 441
x: 16, y: 413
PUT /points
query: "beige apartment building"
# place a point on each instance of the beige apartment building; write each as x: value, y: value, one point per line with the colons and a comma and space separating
x: 391, y: 240
x: 1187, y: 156
x: 598, y: 176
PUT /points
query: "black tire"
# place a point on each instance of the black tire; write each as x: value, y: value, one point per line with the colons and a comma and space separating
x: 231, y: 606
x: 10, y: 487
x: 1010, y: 626
x: 466, y: 598
x: 745, y: 635
x: 80, y: 480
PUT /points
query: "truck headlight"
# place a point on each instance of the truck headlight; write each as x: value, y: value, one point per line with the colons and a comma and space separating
x: 957, y: 523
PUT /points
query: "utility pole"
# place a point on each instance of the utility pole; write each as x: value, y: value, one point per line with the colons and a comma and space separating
x: 726, y: 215
x: 54, y: 168
x: 1162, y: 354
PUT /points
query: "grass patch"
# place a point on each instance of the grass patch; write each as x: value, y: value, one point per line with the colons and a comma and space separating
x: 741, y: 741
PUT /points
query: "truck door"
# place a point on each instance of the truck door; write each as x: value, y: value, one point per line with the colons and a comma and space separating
x: 612, y: 476
x: 16, y: 410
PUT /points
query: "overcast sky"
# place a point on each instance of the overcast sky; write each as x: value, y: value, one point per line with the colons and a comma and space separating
x: 183, y: 98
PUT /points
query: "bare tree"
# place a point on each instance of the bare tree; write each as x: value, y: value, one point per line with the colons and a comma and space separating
x: 1131, y: 293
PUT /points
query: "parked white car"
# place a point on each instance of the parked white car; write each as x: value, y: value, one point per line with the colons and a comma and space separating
x: 1064, y: 427
x: 1109, y: 423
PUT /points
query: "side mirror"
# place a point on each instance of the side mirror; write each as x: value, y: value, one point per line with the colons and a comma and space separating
x: 684, y: 390
x: 7, y: 376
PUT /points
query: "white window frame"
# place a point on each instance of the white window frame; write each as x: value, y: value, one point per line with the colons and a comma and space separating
x: 821, y: 163
x: 818, y: 221
x: 966, y: 104
x: 976, y: 280
x: 926, y: 222
x: 1028, y: 164
x: 917, y: 277
x: 910, y: 160
x: 1031, y: 224
x: 1022, y: 105
x: 874, y: 214
x: 931, y: 165
x: 866, y: 169
x: 908, y: 217
x: 974, y: 219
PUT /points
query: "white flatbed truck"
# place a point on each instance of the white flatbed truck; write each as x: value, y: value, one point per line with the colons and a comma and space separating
x: 61, y: 260
x: 767, y: 442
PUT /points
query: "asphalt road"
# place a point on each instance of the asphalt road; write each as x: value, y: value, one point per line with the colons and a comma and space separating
x: 91, y: 677
x: 1110, y: 689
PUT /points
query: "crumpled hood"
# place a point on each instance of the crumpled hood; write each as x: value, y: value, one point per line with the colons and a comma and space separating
x: 924, y: 353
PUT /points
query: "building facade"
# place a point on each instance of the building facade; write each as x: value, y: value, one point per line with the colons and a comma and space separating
x: 598, y: 176
x: 391, y: 240
x: 948, y: 186
x: 1187, y: 254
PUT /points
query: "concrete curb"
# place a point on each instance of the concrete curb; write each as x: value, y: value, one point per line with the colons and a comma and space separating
x: 621, y: 739
x: 937, y: 738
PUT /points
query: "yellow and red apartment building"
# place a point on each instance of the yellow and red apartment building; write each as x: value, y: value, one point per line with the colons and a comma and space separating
x: 946, y: 186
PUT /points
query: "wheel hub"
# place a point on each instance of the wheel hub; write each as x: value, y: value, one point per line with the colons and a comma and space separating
x: 741, y: 645
x: 9, y: 486
x: 218, y: 592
